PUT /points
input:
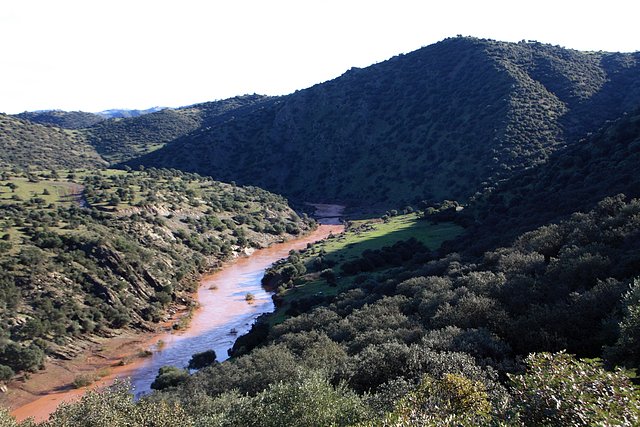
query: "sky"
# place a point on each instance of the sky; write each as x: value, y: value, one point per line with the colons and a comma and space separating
x: 93, y: 55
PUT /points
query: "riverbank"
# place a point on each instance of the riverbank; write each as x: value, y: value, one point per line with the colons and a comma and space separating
x: 219, y: 302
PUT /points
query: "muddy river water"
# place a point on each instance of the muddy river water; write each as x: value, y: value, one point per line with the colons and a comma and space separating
x: 223, y: 314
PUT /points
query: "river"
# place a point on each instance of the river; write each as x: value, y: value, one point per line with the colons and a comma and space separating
x: 223, y: 314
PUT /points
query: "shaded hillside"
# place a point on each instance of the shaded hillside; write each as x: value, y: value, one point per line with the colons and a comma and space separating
x: 440, y: 122
x: 120, y: 139
x: 574, y: 179
x: 27, y: 144
x: 62, y: 119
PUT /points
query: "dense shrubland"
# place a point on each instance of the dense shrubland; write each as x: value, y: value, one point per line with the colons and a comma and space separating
x: 531, y: 318
x: 574, y: 179
x: 121, y: 139
x: 450, y: 324
x: 27, y: 144
x: 442, y: 342
x: 461, y: 327
x: 554, y: 390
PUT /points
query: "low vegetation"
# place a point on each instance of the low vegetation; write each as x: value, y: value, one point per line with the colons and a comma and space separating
x: 444, y: 341
x: 508, y: 295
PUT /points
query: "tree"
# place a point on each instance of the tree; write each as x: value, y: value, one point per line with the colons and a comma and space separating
x: 626, y: 350
x: 452, y: 400
x: 560, y: 390
x: 22, y: 358
x: 169, y: 376
x: 202, y: 360
x: 6, y: 373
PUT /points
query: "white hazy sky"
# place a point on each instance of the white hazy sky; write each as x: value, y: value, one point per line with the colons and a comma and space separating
x: 92, y: 55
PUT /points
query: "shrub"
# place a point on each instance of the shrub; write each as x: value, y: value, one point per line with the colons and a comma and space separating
x: 560, y: 390
x: 203, y: 359
x: 6, y: 373
x: 169, y: 376
x: 115, y: 407
x: 82, y: 380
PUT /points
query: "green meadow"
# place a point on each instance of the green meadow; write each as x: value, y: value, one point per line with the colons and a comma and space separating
x: 360, y: 236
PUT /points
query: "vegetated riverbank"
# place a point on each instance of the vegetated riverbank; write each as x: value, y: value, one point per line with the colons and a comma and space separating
x: 223, y: 307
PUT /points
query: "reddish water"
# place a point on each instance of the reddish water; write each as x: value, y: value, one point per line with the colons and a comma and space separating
x: 224, y: 312
x: 223, y: 309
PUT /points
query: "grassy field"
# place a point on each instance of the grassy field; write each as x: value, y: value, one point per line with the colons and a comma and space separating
x: 49, y: 191
x: 375, y: 234
x: 35, y: 191
x: 360, y: 236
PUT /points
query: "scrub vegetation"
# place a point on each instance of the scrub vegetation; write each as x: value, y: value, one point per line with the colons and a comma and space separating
x: 88, y: 252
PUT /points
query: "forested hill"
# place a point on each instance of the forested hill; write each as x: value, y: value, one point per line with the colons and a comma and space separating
x: 24, y: 143
x: 120, y: 139
x: 441, y: 122
x: 62, y: 119
x: 119, y: 135
x: 574, y: 179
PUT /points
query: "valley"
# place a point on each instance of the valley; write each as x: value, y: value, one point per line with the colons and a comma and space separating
x: 447, y: 237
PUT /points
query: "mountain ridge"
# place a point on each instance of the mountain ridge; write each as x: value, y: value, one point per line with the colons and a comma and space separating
x: 441, y: 122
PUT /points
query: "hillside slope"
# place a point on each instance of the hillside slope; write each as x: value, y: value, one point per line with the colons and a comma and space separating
x: 120, y: 139
x: 62, y: 119
x: 574, y: 179
x: 24, y: 144
x: 68, y: 273
x: 441, y: 122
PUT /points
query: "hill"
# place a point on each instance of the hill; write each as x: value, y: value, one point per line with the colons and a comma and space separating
x: 27, y: 144
x: 135, y: 251
x: 62, y: 119
x: 120, y: 139
x: 444, y: 121
x: 122, y: 113
x: 574, y: 179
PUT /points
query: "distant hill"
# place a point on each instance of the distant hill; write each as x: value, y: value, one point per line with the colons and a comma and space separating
x: 123, y: 113
x: 120, y: 139
x: 27, y: 144
x: 442, y: 122
x: 80, y: 119
x: 62, y: 119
